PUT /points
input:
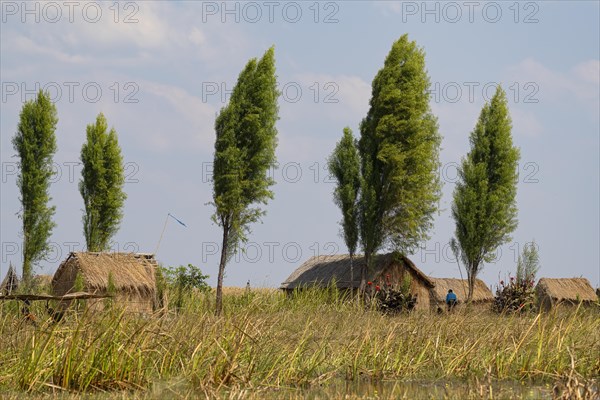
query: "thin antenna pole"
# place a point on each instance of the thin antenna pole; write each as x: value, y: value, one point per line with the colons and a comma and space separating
x: 161, y: 234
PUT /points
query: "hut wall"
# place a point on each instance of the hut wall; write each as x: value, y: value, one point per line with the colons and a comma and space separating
x: 546, y: 303
x: 129, y: 302
x: 65, y: 282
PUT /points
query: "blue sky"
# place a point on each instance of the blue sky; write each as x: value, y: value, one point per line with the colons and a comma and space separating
x: 160, y: 72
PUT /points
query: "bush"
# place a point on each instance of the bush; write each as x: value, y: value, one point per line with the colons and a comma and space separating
x: 183, y: 280
x: 518, y: 294
x: 390, y: 299
x: 186, y: 277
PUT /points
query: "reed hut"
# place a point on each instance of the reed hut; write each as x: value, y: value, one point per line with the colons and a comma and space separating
x: 131, y: 276
x: 482, y: 295
x: 552, y: 292
x: 323, y: 271
x: 10, y: 282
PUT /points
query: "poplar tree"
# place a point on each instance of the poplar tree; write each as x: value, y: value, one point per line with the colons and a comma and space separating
x: 344, y: 166
x: 484, y: 207
x: 101, y: 185
x: 246, y: 138
x: 399, y: 151
x: 35, y: 144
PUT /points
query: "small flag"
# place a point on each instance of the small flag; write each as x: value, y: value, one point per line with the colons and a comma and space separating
x: 172, y: 216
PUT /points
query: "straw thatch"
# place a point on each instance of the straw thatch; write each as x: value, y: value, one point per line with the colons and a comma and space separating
x: 322, y: 271
x: 481, y: 292
x: 554, y: 291
x: 10, y: 282
x: 42, y: 281
x: 133, y: 277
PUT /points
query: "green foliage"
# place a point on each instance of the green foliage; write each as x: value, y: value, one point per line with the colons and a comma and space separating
x: 344, y: 165
x: 406, y: 284
x: 390, y: 298
x: 244, y: 153
x: 528, y: 263
x: 79, y: 283
x: 399, y: 149
x: 111, y: 290
x: 514, y: 295
x: 183, y: 280
x: 484, y: 207
x: 79, y: 286
x: 35, y: 144
x: 101, y: 185
x: 161, y: 287
x: 187, y: 277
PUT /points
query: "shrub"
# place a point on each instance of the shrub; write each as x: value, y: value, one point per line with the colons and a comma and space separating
x: 182, y: 280
x: 390, y: 299
x: 518, y: 294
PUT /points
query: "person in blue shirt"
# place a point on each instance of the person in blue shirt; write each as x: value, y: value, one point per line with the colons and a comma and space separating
x: 451, y: 300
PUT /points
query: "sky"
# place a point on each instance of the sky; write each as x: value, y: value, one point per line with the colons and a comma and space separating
x: 161, y: 71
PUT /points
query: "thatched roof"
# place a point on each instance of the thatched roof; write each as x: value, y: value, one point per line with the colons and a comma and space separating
x: 566, y: 289
x: 130, y: 272
x: 10, y: 281
x: 461, y: 288
x: 42, y: 280
x: 323, y: 270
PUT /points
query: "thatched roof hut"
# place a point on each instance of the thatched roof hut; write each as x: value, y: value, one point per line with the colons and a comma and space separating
x: 132, y: 276
x: 322, y: 271
x: 10, y: 281
x: 482, y: 295
x: 564, y: 291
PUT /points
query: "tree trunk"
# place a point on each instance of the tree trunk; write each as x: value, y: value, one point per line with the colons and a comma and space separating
x: 471, y: 279
x: 351, y: 273
x: 219, y: 306
x: 26, y: 263
x: 363, y: 274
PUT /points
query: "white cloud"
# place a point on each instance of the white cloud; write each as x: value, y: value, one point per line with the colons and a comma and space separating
x: 30, y: 47
x: 193, y: 128
x: 325, y: 104
x: 525, y: 123
x: 589, y: 71
x: 389, y: 7
x: 580, y: 83
x: 197, y: 37
x: 338, y: 96
x: 140, y: 26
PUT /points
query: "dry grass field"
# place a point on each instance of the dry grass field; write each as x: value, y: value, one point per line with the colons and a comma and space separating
x: 271, y: 345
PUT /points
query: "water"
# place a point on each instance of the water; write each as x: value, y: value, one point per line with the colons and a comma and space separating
x: 368, y: 390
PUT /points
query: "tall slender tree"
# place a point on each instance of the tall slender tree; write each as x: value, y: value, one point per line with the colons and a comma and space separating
x: 399, y: 149
x: 35, y: 144
x: 101, y: 185
x: 344, y: 165
x: 484, y: 207
x: 244, y: 153
x: 528, y: 264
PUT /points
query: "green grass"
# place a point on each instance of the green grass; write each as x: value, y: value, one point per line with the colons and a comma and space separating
x: 267, y: 340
